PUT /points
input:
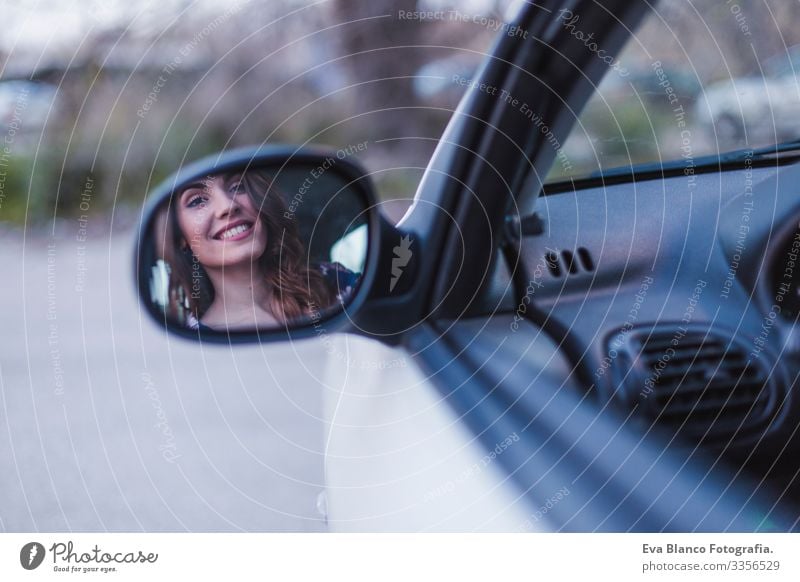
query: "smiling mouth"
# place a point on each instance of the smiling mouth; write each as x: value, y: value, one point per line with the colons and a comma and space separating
x: 238, y: 231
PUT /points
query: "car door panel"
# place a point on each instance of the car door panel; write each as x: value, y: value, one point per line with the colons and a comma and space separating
x: 398, y: 458
x: 618, y: 478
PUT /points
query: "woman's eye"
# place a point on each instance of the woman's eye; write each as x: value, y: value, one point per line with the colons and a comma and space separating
x: 236, y: 188
x: 196, y: 201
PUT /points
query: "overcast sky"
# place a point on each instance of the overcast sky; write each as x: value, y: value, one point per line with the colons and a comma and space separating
x: 61, y: 24
x: 58, y: 25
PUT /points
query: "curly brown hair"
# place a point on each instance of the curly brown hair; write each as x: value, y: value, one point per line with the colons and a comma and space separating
x: 299, y: 289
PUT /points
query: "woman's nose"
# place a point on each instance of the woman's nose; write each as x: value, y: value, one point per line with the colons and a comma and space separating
x: 224, y: 204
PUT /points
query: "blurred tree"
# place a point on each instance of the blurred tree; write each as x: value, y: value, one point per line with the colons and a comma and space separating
x: 723, y: 39
x: 386, y: 52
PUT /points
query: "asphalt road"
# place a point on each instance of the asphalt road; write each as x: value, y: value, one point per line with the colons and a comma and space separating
x: 108, y: 424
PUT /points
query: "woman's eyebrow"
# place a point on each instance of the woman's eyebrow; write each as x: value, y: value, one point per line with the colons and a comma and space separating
x: 193, y: 186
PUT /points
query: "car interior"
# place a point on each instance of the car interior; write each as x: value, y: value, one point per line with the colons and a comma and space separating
x: 674, y: 299
x: 662, y: 294
x: 635, y: 326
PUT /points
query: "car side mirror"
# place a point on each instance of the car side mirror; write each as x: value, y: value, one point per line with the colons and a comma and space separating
x: 259, y: 245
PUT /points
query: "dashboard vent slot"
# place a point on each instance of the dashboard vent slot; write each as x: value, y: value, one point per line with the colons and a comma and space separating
x: 586, y: 259
x: 551, y: 259
x: 568, y: 263
x: 695, y: 381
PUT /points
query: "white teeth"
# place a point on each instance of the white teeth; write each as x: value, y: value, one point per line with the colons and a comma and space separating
x: 234, y: 231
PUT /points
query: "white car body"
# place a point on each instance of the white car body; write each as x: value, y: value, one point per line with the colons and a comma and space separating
x: 399, y: 459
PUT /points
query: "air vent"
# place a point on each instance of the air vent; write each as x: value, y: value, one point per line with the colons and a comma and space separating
x: 568, y: 263
x: 694, y: 381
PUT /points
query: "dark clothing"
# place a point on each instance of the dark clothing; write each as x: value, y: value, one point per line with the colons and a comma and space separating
x: 341, y: 280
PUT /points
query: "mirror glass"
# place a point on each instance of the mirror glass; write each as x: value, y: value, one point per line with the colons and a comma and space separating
x: 256, y: 248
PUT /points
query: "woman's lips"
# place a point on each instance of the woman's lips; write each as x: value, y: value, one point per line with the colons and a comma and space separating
x: 237, y: 231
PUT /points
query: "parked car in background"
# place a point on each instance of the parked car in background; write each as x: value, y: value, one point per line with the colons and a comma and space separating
x: 758, y: 109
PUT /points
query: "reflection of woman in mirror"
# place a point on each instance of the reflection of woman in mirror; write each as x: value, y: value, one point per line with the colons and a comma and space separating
x: 238, y: 259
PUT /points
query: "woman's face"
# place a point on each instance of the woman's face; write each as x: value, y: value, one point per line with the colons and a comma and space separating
x: 219, y: 222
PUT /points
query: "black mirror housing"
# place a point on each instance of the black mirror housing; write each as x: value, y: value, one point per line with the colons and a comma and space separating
x: 308, y: 234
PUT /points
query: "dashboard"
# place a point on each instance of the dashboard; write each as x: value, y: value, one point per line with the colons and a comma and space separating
x: 676, y: 300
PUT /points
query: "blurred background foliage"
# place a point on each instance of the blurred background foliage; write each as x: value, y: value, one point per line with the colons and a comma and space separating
x: 101, y: 100
x: 136, y: 91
